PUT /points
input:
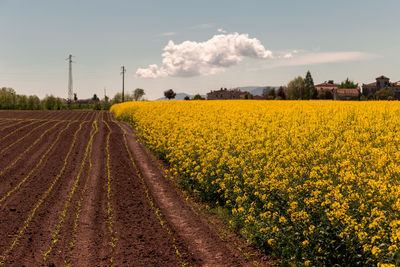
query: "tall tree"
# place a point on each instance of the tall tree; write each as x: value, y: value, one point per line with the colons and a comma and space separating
x: 170, y: 94
x: 271, y: 94
x: 311, y: 91
x: 265, y: 91
x: 348, y: 84
x: 296, y: 88
x: 138, y: 93
x: 95, y: 98
x: 281, y: 93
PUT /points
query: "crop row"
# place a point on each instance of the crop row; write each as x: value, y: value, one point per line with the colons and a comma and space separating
x: 44, y: 196
x: 63, y: 213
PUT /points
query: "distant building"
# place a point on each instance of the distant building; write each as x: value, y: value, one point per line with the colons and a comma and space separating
x: 339, y: 93
x: 381, y: 82
x: 346, y: 94
x: 79, y: 101
x: 329, y: 85
x: 228, y: 94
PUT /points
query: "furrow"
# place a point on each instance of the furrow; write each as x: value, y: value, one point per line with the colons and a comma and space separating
x: 61, y: 219
x: 28, y: 149
x: 109, y: 193
x: 22, y: 230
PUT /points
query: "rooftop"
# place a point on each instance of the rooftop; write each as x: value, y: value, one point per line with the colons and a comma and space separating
x: 382, y: 77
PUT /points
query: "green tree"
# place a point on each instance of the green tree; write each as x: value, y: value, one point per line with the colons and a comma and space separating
x: 22, y: 102
x: 325, y: 94
x: 384, y: 94
x: 271, y: 94
x: 33, y: 102
x: 138, y: 93
x: 116, y: 99
x: 280, y: 94
x: 170, y: 94
x: 8, y: 98
x: 198, y: 97
x: 296, y: 88
x: 311, y: 91
x: 348, y: 84
x: 75, y: 97
x: 49, y: 102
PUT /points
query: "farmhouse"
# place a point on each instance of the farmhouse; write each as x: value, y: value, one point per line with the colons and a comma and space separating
x: 339, y: 93
x: 346, y: 94
x: 228, y: 94
x: 329, y: 85
x: 381, y: 82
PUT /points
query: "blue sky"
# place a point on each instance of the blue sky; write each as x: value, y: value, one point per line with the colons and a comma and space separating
x: 333, y: 39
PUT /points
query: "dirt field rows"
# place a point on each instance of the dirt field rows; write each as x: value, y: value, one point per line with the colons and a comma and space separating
x: 77, y: 189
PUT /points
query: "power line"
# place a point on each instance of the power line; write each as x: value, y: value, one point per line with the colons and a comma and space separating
x: 123, y: 82
x: 70, y: 84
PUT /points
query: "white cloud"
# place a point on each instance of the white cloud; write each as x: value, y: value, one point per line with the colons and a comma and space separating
x: 168, y: 33
x: 321, y: 58
x: 202, y: 26
x: 290, y: 54
x: 191, y: 58
x: 221, y: 30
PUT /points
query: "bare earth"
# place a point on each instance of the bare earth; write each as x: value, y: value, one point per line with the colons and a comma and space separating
x: 76, y: 188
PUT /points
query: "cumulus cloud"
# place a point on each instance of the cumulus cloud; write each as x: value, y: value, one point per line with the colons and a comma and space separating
x: 191, y: 58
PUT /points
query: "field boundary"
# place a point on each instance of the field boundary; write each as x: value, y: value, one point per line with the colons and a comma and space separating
x: 208, y: 247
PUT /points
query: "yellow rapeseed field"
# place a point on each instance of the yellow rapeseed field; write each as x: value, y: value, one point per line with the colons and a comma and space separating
x: 313, y: 182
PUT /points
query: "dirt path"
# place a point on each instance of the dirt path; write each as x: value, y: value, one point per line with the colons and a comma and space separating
x: 194, y: 231
x: 86, y: 193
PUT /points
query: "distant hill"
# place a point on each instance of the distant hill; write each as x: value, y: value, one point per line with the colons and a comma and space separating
x: 256, y: 90
x: 179, y: 96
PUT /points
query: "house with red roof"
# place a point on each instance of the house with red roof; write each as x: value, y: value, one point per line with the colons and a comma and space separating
x: 339, y: 93
x: 327, y: 85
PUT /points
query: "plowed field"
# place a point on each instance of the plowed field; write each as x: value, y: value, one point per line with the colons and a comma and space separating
x: 76, y: 188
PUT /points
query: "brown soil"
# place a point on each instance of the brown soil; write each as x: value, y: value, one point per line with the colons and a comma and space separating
x: 80, y: 201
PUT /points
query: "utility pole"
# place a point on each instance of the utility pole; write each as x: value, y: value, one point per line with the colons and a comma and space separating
x: 70, y: 90
x: 123, y: 82
x: 105, y: 96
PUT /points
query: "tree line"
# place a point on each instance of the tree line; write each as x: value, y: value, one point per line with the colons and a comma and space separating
x: 303, y: 88
x: 9, y: 99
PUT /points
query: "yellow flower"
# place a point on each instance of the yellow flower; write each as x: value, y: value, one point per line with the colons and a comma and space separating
x: 280, y: 164
x: 271, y: 242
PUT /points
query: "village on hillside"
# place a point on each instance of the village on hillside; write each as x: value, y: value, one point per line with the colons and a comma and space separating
x: 381, y: 89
